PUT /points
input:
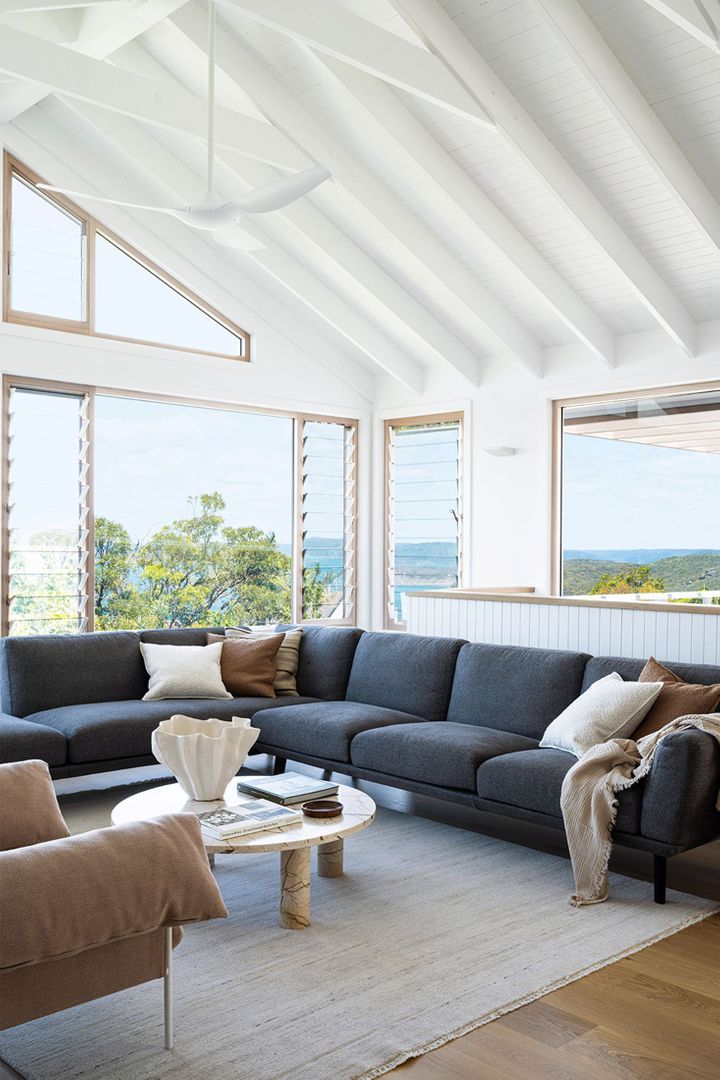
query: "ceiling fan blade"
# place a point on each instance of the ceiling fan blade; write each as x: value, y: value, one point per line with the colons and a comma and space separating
x: 175, y: 211
x: 282, y: 192
x: 238, y: 239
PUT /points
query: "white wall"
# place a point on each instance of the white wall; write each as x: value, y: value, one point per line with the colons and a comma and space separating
x: 510, y: 497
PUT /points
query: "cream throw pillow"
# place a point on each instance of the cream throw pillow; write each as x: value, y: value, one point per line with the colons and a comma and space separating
x: 183, y: 671
x: 609, y: 709
x: 287, y: 659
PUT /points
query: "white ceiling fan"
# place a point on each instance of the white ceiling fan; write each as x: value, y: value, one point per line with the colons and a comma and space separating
x: 214, y: 214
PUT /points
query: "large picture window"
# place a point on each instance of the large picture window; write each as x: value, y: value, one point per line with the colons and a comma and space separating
x: 124, y: 512
x: 64, y: 270
x: 638, y: 496
x: 423, y: 544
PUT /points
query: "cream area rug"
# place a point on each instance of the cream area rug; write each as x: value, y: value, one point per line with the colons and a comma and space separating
x: 432, y: 931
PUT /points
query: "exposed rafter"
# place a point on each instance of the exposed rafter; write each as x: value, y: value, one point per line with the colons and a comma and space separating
x: 414, y: 141
x: 102, y: 32
x: 495, y: 330
x: 583, y: 42
x: 694, y: 18
x: 348, y: 37
x: 430, y: 20
x: 29, y: 57
x: 42, y: 143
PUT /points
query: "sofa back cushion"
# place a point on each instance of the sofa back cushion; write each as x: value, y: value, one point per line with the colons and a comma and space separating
x: 326, y: 656
x: 49, y: 671
x: 180, y: 635
x: 514, y: 688
x: 404, y: 671
x: 600, y: 666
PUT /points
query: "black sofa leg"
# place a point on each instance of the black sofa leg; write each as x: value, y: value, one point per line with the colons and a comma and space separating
x: 659, y: 877
x: 279, y: 765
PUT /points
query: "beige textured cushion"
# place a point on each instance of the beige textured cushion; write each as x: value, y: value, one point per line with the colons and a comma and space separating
x: 677, y: 698
x: 183, y: 671
x: 248, y: 666
x: 288, y: 657
x: 609, y: 709
x: 29, y: 811
x: 69, y: 895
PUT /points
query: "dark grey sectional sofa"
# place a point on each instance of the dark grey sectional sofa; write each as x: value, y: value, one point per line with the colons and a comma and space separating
x: 437, y: 716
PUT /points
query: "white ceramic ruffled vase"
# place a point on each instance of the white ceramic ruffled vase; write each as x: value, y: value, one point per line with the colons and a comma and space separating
x: 203, y: 755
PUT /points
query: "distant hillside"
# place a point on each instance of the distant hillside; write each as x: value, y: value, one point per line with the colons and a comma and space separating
x: 695, y: 571
x: 637, y: 556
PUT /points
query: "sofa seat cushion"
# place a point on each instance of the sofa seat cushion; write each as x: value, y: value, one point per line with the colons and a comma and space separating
x: 122, y: 729
x: 444, y: 754
x: 532, y: 780
x: 325, y: 729
x: 21, y: 739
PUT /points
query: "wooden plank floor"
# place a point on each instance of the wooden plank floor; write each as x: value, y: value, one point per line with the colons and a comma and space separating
x: 653, y: 1015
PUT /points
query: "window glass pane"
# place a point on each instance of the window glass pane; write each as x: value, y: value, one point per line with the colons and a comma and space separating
x: 132, y: 302
x: 194, y: 515
x: 641, y: 498
x: 328, y: 511
x: 47, y: 256
x: 424, y: 510
x: 48, y: 512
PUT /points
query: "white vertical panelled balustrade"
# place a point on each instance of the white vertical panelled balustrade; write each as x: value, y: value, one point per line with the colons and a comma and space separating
x: 596, y: 628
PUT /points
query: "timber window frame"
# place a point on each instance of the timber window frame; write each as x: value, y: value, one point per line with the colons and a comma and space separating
x: 92, y: 230
x: 556, y: 481
x: 350, y: 426
x: 431, y: 420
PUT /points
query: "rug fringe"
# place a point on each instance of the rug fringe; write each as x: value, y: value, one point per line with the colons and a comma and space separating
x: 442, y: 1040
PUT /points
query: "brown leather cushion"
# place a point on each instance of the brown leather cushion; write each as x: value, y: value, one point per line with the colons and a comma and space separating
x: 248, y: 666
x: 677, y: 698
x: 30, y: 811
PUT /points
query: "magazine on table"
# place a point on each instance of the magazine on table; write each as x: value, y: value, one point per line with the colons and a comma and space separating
x: 289, y: 788
x: 249, y: 816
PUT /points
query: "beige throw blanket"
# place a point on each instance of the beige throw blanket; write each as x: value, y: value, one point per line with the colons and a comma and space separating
x: 589, y: 800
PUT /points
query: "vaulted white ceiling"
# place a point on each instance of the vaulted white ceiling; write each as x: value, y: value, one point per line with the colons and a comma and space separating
x: 508, y: 175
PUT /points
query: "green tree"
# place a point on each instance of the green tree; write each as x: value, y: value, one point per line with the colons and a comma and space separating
x: 198, y: 571
x: 638, y: 579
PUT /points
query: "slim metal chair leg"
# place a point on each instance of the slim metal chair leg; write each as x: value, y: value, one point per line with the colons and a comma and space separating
x: 659, y: 878
x: 167, y: 986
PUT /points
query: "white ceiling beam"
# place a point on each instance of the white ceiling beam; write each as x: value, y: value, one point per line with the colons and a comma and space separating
x: 14, y: 7
x: 430, y: 20
x: 461, y: 295
x: 589, y: 50
x: 65, y: 72
x: 335, y: 31
x: 158, y: 163
x: 692, y: 18
x: 102, y: 32
x: 40, y: 142
x: 415, y: 142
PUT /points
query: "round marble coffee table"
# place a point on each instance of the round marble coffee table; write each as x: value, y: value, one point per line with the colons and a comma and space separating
x: 293, y: 843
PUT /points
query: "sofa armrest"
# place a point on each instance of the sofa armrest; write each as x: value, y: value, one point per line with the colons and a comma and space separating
x: 103, y: 886
x: 681, y: 792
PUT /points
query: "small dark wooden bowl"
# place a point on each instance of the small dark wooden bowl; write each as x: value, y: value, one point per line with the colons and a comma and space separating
x: 322, y: 808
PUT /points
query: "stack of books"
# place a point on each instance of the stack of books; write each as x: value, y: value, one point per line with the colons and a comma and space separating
x: 287, y: 789
x: 251, y: 816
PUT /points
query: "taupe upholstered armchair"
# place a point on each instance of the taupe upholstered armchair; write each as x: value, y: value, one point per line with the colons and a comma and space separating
x: 81, y: 916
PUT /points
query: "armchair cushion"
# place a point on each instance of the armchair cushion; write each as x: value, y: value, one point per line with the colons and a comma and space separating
x: 63, y: 897
x: 30, y: 811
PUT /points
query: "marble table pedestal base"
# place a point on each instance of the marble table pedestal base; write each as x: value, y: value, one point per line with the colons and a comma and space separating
x: 295, y: 888
x: 330, y: 859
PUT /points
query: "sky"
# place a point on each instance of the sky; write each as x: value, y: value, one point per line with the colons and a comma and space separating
x: 150, y: 458
x: 630, y: 495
